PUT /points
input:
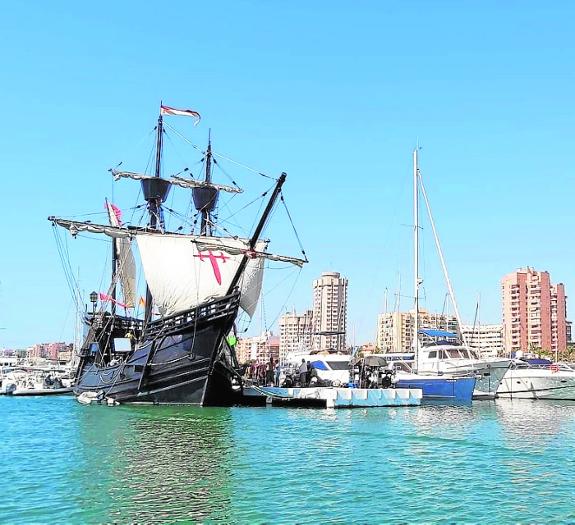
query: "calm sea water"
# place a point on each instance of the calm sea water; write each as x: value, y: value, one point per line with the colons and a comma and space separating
x: 492, y: 462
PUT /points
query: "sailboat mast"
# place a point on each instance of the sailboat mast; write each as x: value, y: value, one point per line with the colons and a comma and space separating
x: 257, y: 232
x: 416, y: 256
x: 206, y: 228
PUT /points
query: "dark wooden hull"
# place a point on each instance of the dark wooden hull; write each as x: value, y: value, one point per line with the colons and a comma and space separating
x: 183, y: 359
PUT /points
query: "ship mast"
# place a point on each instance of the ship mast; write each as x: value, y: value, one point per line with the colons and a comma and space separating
x: 206, y: 219
x: 206, y: 197
x: 255, y: 237
x: 155, y: 190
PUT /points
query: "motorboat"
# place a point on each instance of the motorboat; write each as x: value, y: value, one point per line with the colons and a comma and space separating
x: 538, y: 379
x: 35, y: 382
x: 445, y: 357
x: 327, y: 369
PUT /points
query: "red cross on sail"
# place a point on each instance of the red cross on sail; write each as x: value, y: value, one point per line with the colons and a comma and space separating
x: 214, y: 260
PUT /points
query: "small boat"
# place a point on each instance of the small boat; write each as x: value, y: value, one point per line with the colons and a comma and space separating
x: 35, y: 382
x: 444, y: 357
x: 538, y: 379
x: 435, y: 387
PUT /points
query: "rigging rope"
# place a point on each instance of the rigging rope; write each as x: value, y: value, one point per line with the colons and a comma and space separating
x: 282, y: 199
x: 221, y: 155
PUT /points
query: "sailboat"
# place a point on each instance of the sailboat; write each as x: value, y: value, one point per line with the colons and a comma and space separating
x: 182, y: 349
x: 450, y: 387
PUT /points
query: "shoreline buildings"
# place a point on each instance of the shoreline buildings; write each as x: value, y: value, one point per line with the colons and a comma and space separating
x: 295, y: 332
x: 486, y: 339
x: 259, y: 348
x: 395, y: 329
x: 534, y: 312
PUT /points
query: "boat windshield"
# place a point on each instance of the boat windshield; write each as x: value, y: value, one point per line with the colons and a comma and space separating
x: 338, y: 365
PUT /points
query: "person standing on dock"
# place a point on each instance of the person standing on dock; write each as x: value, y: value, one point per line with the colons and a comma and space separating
x: 278, y: 371
x: 302, y: 373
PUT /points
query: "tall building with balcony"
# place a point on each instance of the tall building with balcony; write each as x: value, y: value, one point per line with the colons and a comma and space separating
x: 295, y: 333
x: 330, y: 312
x: 534, y: 312
x: 395, y: 329
x: 486, y: 339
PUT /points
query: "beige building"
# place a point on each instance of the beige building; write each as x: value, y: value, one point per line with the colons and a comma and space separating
x: 295, y: 333
x: 395, y: 329
x: 487, y: 339
x: 330, y: 312
x: 259, y: 348
x: 534, y: 312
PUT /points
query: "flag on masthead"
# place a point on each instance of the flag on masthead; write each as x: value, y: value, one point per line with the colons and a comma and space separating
x: 167, y: 110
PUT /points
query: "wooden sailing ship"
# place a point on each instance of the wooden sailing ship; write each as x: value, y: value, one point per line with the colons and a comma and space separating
x: 196, y: 283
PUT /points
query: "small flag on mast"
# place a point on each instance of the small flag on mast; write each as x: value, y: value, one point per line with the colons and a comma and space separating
x: 114, y: 213
x: 105, y: 297
x: 167, y: 110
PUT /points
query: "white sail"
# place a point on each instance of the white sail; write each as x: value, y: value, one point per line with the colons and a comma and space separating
x: 181, y: 276
x: 251, y: 285
x: 175, y: 283
x: 126, y: 264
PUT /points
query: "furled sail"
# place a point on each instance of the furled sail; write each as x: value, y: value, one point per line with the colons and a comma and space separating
x: 126, y: 264
x: 76, y: 227
x: 207, y: 243
x: 178, y: 181
x: 181, y: 276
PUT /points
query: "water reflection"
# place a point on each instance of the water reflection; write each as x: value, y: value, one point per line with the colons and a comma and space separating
x: 155, y: 464
x: 527, y: 423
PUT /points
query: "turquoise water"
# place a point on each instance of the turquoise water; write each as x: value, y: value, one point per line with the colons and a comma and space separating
x: 492, y: 462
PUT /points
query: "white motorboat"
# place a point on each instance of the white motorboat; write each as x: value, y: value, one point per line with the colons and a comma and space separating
x: 35, y: 382
x: 538, y: 379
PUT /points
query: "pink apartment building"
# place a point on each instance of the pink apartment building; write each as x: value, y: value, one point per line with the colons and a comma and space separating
x: 534, y: 312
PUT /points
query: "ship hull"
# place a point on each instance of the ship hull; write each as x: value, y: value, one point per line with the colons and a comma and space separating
x: 538, y: 383
x: 443, y: 388
x: 179, y: 362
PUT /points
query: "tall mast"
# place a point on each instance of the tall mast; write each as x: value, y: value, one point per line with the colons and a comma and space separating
x: 206, y: 198
x: 257, y: 232
x: 416, y: 256
x: 155, y: 191
x: 154, y: 204
x: 114, y: 269
x: 206, y: 225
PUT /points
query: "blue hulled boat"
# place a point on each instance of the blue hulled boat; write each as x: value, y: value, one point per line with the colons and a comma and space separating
x: 440, y: 388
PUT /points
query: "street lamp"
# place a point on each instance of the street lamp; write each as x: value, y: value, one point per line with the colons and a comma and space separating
x: 94, y: 301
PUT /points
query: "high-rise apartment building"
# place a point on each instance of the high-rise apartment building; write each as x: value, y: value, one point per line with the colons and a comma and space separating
x: 295, y: 333
x: 534, y: 312
x: 330, y: 312
x: 395, y: 329
x: 486, y: 339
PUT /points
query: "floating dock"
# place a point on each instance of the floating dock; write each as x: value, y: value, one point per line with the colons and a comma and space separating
x: 330, y: 397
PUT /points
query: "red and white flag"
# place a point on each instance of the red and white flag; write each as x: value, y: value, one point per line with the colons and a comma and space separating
x: 114, y: 214
x: 167, y: 110
x: 105, y: 297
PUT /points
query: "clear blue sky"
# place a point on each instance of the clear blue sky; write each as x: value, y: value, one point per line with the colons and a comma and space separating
x: 335, y: 93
